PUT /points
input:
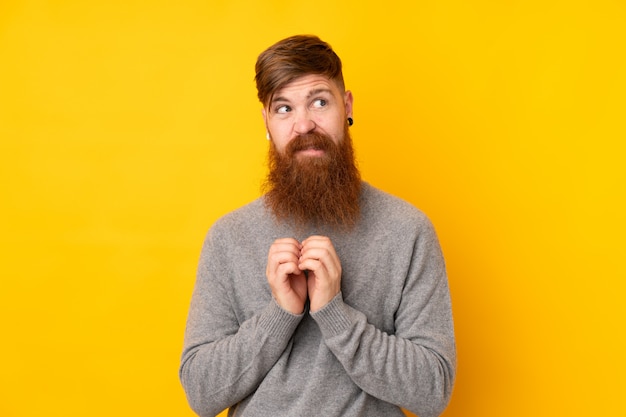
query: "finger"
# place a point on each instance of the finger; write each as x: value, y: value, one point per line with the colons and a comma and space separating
x: 288, y: 268
x: 314, y: 265
x: 283, y: 258
x: 283, y: 255
x: 324, y: 255
x: 285, y: 245
x: 325, y: 272
x: 288, y: 240
x: 316, y: 241
x: 282, y: 265
x: 284, y: 250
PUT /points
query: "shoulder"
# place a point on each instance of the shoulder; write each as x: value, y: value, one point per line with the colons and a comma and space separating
x: 384, y: 207
x: 390, y: 220
x: 242, y: 222
x: 241, y: 215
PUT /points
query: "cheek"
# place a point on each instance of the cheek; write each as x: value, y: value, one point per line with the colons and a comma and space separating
x: 280, y: 140
x: 338, y: 131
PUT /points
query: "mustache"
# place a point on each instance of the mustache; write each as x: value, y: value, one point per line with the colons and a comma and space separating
x: 310, y: 141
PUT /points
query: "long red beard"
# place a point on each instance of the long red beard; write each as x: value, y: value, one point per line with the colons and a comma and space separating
x: 320, y: 190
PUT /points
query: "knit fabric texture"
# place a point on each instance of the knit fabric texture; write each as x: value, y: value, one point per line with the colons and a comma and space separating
x: 385, y: 342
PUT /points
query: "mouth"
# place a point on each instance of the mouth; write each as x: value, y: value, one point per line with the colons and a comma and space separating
x: 310, y: 145
x: 311, y: 151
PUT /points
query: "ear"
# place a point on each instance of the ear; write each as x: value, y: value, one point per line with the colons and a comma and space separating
x: 348, y: 101
x: 264, y: 114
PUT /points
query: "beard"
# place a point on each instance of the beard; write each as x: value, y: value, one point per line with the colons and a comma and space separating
x: 314, y: 190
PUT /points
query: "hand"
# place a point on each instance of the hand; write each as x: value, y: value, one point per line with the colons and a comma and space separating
x: 318, y: 256
x: 287, y: 281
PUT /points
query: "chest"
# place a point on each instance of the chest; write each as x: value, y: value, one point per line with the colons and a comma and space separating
x: 373, y: 276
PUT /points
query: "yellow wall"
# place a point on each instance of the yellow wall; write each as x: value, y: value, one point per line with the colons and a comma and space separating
x: 127, y: 127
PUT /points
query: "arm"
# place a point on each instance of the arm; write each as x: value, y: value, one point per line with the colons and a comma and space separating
x: 413, y: 368
x: 223, y: 360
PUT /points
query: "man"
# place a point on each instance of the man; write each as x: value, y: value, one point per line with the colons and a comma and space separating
x: 326, y: 296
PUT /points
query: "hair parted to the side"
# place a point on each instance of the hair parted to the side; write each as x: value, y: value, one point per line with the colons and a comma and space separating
x: 292, y: 58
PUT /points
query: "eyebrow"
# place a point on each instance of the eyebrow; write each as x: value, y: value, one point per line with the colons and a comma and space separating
x: 308, y: 96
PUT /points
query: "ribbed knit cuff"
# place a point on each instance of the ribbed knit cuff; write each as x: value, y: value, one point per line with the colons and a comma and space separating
x: 334, y: 317
x: 278, y: 322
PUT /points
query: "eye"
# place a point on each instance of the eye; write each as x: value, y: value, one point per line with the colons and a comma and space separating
x: 283, y: 109
x: 320, y: 102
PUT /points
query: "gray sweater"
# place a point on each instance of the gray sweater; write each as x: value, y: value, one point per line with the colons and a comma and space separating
x: 385, y: 342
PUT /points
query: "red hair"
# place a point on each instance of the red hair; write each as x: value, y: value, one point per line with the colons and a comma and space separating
x: 292, y: 58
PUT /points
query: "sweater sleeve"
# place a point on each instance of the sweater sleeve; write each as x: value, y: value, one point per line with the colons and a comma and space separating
x: 223, y: 361
x: 415, y: 367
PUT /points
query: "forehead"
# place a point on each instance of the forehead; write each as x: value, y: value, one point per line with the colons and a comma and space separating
x: 306, y: 85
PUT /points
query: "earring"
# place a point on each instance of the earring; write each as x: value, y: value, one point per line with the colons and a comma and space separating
x: 350, y: 121
x: 267, y: 136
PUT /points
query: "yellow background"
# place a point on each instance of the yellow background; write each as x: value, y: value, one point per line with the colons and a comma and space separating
x: 127, y: 127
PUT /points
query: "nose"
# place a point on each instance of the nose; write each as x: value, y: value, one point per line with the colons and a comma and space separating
x: 304, y: 123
